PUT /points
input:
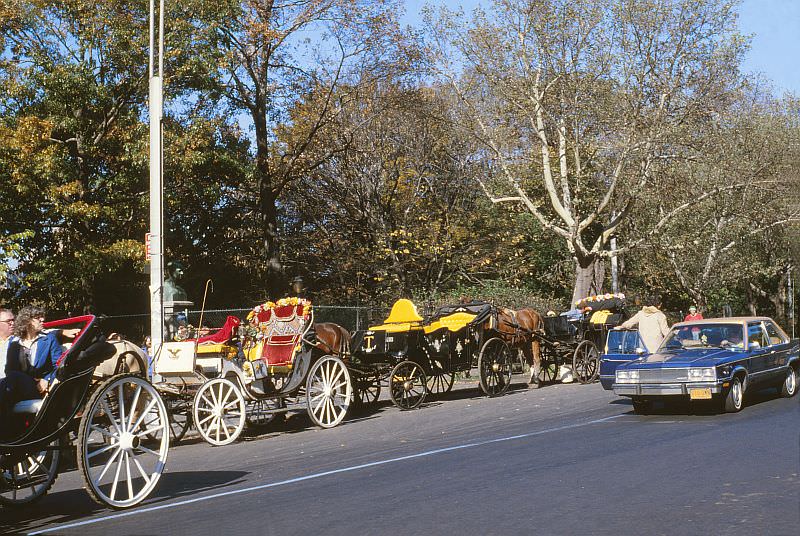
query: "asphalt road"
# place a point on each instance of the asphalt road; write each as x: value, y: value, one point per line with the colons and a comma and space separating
x: 564, y: 459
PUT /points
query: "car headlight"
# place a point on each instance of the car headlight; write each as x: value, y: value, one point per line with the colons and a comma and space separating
x: 627, y: 376
x: 702, y: 374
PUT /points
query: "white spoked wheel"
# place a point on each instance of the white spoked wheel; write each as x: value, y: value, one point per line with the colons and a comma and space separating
x: 219, y: 411
x: 27, y: 478
x: 329, y: 390
x: 123, y: 441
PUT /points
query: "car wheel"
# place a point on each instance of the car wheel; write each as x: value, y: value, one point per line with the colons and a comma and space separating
x: 734, y: 400
x: 642, y: 406
x: 789, y: 387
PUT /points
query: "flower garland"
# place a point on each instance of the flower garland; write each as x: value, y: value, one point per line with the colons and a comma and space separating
x: 283, y: 302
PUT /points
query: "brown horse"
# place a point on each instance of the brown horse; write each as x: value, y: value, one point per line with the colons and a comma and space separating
x: 332, y: 339
x: 518, y: 329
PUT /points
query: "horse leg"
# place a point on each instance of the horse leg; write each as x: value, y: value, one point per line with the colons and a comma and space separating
x: 536, y: 366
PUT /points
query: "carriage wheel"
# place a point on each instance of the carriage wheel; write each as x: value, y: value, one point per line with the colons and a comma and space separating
x: 259, y: 413
x: 407, y: 385
x: 548, y: 373
x: 494, y: 366
x: 367, y: 391
x: 120, y: 465
x: 441, y: 383
x: 180, y: 419
x: 27, y: 478
x: 329, y: 390
x: 219, y: 411
x: 586, y: 362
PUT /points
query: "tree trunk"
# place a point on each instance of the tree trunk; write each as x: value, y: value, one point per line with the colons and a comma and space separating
x: 589, y: 275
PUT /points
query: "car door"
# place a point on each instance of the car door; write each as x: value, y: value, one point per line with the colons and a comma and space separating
x: 778, y: 349
x: 621, y: 346
x: 757, y: 348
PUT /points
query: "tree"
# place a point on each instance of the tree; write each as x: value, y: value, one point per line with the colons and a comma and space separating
x: 581, y: 106
x: 268, y: 64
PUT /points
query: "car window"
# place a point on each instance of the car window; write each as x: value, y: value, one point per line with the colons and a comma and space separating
x: 756, y: 335
x: 704, y: 336
x: 774, y: 334
x: 622, y: 342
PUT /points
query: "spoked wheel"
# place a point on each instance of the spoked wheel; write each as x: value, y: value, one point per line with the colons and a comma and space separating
x: 219, y: 411
x: 180, y: 418
x: 494, y: 366
x: 367, y: 391
x: 260, y: 412
x: 25, y: 479
x: 441, y: 383
x: 120, y: 464
x: 329, y: 390
x: 586, y: 362
x: 548, y: 373
x: 407, y: 385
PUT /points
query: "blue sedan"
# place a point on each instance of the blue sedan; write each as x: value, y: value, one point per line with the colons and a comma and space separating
x: 715, y: 359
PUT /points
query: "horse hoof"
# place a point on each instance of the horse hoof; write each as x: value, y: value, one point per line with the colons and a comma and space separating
x: 534, y: 385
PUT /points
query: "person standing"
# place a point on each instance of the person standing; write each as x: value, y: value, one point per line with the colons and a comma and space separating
x: 652, y: 324
x: 6, y: 335
x: 693, y: 315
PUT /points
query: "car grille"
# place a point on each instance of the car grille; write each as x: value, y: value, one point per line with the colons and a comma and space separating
x: 666, y: 375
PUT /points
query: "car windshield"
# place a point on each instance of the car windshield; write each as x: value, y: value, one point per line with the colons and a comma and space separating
x: 704, y: 336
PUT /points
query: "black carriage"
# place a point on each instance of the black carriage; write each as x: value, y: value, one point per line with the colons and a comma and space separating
x: 414, y: 356
x: 578, y: 340
x: 121, y: 426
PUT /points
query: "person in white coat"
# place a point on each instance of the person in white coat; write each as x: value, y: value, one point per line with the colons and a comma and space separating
x: 652, y: 324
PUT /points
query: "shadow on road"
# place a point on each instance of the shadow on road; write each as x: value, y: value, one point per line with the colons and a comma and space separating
x: 75, y: 504
x: 702, y: 407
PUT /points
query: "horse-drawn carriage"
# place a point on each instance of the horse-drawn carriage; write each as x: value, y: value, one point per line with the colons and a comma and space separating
x: 121, y: 426
x: 576, y: 340
x: 414, y: 356
x: 221, y: 387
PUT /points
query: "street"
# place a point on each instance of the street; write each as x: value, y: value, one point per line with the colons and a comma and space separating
x: 564, y: 459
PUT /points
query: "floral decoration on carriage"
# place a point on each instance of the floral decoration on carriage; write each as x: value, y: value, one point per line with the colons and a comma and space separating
x: 273, y: 335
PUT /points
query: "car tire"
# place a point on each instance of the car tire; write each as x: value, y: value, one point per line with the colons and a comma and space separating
x: 789, y: 387
x: 642, y: 406
x: 734, y: 398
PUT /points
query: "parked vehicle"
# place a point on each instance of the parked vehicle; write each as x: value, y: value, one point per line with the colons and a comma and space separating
x: 622, y: 346
x: 718, y: 359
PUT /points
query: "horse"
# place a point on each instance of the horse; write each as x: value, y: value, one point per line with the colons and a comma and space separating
x: 518, y: 329
x: 332, y: 339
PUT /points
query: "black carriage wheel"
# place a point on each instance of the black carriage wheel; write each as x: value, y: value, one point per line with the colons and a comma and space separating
x: 26, y: 479
x: 258, y: 414
x: 407, y: 385
x: 548, y: 373
x: 494, y: 367
x: 441, y: 383
x: 586, y: 362
x: 180, y: 418
x: 367, y: 391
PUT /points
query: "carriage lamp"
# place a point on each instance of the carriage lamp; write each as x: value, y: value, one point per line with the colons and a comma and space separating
x: 702, y: 374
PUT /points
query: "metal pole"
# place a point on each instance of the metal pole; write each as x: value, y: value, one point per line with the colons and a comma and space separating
x: 156, y: 190
x: 791, y: 300
x: 614, y: 266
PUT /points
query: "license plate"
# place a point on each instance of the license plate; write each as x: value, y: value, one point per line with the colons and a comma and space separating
x: 700, y: 394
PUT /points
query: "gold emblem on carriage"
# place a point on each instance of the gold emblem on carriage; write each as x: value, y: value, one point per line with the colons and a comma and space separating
x: 459, y: 347
x: 368, y: 346
x: 174, y: 353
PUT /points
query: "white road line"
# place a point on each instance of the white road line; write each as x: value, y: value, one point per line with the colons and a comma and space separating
x: 320, y: 475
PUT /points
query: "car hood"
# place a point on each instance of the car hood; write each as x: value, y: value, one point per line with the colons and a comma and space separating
x: 700, y: 357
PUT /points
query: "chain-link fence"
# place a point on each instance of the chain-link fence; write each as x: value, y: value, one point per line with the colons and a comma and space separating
x: 135, y: 327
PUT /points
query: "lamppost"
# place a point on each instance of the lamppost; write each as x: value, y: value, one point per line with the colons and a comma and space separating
x: 156, y: 236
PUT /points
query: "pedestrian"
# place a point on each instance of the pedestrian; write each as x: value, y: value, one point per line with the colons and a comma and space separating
x: 652, y: 324
x: 6, y: 335
x: 693, y: 315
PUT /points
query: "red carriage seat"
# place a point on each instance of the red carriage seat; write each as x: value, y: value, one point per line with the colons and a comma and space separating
x: 224, y: 334
x: 283, y: 328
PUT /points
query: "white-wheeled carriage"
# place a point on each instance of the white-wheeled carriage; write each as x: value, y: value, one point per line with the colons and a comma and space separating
x: 275, y: 368
x: 121, y: 426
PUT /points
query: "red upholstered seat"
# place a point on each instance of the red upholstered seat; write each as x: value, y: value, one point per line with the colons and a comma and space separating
x: 224, y: 334
x: 282, y: 328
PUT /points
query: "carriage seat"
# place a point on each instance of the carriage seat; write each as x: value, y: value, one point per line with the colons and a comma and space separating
x: 283, y: 328
x: 29, y: 406
x: 403, y: 317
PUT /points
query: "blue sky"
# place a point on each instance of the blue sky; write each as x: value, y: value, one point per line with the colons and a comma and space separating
x: 773, y: 24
